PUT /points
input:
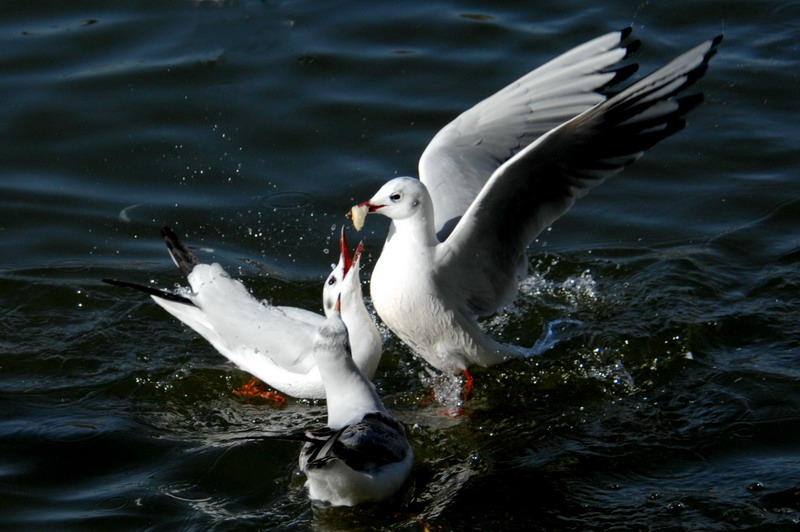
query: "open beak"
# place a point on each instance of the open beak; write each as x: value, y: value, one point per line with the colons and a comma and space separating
x: 345, y: 253
x: 370, y: 208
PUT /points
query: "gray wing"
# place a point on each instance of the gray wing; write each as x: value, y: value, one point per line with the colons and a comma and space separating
x: 462, y: 156
x: 373, y: 442
x: 540, y: 183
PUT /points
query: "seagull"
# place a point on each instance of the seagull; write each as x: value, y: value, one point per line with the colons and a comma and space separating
x: 499, y: 174
x: 272, y: 343
x: 362, y: 455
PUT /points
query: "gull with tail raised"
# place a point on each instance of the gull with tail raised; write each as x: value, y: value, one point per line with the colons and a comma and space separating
x: 272, y: 343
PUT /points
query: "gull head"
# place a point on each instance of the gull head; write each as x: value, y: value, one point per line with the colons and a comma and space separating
x: 400, y: 198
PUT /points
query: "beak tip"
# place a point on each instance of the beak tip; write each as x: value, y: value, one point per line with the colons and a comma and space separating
x: 343, y: 251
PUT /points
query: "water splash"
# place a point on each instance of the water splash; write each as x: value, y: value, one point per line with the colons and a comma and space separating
x: 607, y: 368
x: 571, y: 293
x: 554, y: 332
x: 448, y: 391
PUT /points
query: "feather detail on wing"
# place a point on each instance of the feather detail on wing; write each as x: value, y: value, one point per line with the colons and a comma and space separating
x: 540, y: 183
x: 464, y: 154
x: 375, y: 441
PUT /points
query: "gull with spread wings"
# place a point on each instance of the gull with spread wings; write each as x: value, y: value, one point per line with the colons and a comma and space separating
x: 498, y: 175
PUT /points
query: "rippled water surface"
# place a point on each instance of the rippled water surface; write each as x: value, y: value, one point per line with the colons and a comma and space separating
x: 664, y: 305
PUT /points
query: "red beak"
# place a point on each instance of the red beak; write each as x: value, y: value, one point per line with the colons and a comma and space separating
x: 348, y: 262
x: 370, y: 208
x: 343, y: 249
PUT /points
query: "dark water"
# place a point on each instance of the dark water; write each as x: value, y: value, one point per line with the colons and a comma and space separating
x: 669, y: 400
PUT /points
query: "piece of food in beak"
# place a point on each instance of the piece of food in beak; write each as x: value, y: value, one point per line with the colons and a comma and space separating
x: 358, y: 213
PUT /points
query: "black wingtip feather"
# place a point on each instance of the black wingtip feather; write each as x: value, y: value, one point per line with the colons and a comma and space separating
x: 632, y: 47
x: 622, y: 73
x: 163, y: 294
x: 689, y: 102
x: 712, y: 48
x: 184, y: 259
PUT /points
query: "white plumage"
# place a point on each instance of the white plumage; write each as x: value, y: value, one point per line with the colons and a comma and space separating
x: 363, y: 454
x: 499, y: 174
x: 272, y: 343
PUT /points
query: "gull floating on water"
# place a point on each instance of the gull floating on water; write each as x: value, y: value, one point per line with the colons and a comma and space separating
x: 497, y: 176
x: 272, y: 343
x: 363, y: 454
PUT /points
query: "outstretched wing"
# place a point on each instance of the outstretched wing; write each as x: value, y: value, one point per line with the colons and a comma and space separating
x: 463, y: 155
x: 540, y: 183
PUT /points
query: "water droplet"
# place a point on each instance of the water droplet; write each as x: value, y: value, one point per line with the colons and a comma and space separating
x: 676, y: 507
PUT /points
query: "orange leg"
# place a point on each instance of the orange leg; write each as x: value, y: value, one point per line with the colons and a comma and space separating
x: 425, y: 401
x: 469, y: 384
x: 257, y: 389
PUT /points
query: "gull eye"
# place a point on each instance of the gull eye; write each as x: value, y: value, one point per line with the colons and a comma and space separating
x: 395, y: 197
x: 331, y: 280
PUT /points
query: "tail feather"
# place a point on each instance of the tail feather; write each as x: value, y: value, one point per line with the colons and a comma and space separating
x: 184, y: 259
x: 157, y: 292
